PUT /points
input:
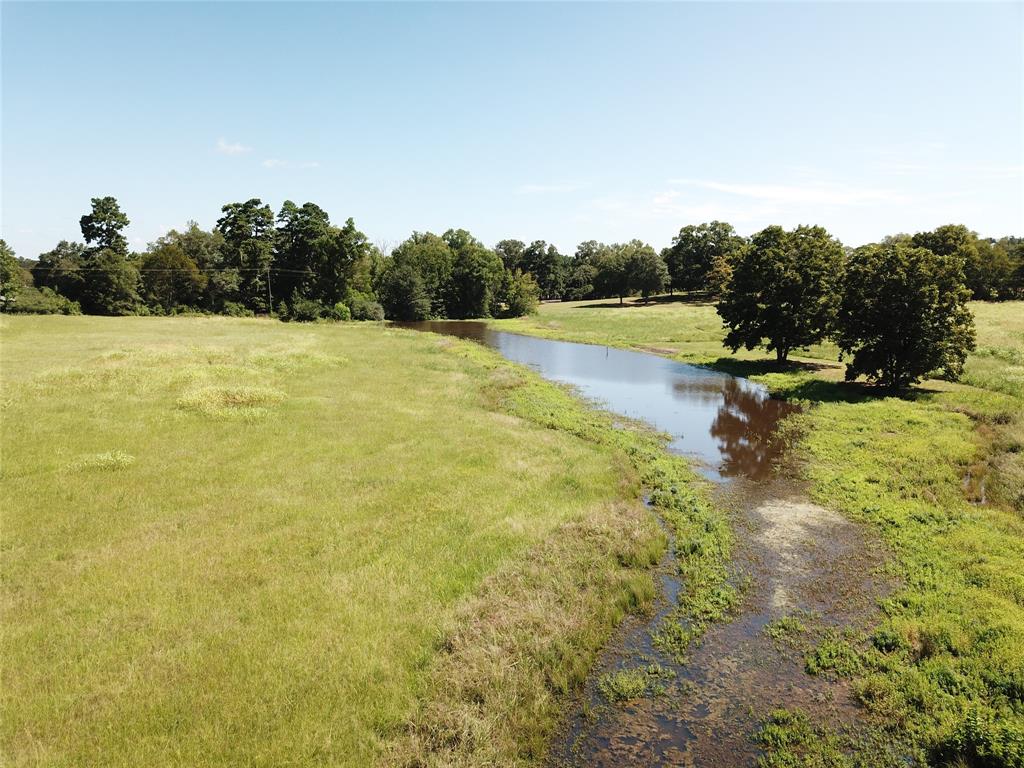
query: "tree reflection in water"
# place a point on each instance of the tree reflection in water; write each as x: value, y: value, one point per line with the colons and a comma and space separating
x: 745, y: 430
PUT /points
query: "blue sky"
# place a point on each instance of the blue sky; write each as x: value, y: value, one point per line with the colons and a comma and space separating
x: 561, y: 122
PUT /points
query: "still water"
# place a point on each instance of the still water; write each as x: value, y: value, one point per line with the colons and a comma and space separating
x: 725, y: 423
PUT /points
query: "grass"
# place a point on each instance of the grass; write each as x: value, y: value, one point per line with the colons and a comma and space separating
x: 239, y: 542
x: 939, y: 476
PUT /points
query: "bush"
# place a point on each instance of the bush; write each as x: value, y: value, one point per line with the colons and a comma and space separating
x: 44, y: 301
x: 234, y: 309
x: 339, y: 311
x: 306, y: 310
x: 364, y: 308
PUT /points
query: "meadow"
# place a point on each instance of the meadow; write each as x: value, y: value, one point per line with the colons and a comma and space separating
x: 244, y: 542
x: 939, y: 476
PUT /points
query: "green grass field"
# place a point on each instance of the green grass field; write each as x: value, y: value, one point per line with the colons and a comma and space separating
x: 244, y: 542
x: 944, y: 668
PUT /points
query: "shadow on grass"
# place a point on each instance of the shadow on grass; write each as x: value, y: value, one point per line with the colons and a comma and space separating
x: 814, y: 390
x: 634, y: 302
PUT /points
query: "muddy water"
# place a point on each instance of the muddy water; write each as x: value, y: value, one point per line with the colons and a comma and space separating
x: 794, y: 557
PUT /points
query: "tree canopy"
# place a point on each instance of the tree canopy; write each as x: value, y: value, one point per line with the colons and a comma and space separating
x: 904, y: 314
x: 784, y: 290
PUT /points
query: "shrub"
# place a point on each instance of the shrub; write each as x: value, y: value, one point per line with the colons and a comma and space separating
x: 339, y: 311
x: 364, y: 308
x: 234, y: 309
x: 43, y: 301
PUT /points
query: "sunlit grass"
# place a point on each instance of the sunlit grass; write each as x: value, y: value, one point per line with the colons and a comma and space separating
x: 944, y: 668
x: 242, y: 542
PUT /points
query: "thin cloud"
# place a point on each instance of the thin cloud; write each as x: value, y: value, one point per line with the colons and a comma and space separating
x: 545, y: 189
x: 821, y: 193
x: 275, y: 163
x: 232, y: 147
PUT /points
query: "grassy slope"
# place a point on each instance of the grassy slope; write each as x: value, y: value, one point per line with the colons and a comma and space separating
x: 945, y: 668
x: 240, y: 542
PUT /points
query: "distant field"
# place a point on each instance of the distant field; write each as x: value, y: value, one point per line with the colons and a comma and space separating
x: 241, y: 542
x: 693, y: 332
x: 940, y: 476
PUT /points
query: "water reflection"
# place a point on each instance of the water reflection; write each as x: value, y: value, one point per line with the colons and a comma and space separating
x: 723, y: 421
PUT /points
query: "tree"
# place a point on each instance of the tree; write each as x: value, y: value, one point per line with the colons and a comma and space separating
x: 611, y: 273
x: 475, y: 279
x: 647, y: 272
x: 519, y: 294
x: 248, y: 252
x: 10, y: 277
x: 109, y: 281
x: 60, y: 270
x: 988, y: 271
x: 904, y: 315
x: 428, y: 256
x: 205, y: 250
x: 700, y: 256
x: 784, y: 288
x: 111, y: 286
x: 547, y: 266
x: 301, y: 241
x: 170, y: 278
x: 403, y: 293
x: 511, y: 253
x: 101, y: 228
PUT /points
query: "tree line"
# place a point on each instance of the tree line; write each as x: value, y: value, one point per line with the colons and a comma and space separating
x: 895, y: 308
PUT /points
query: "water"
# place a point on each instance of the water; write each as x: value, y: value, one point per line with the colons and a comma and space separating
x: 726, y: 424
x: 797, y: 557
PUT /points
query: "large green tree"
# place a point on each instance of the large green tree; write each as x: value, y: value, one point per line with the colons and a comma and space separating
x: 548, y: 267
x: 784, y: 290
x: 10, y: 277
x: 700, y: 257
x: 206, y: 250
x: 110, y: 279
x: 61, y: 270
x: 170, y: 278
x: 403, y: 293
x: 476, y: 277
x: 511, y: 253
x: 646, y: 269
x: 904, y: 315
x: 611, y: 272
x: 248, y: 252
x: 988, y: 270
x: 102, y: 228
x: 429, y: 256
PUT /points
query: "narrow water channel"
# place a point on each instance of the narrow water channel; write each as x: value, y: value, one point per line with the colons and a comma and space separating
x: 797, y: 558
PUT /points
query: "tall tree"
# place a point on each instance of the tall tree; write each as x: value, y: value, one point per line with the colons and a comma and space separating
x: 784, y: 289
x: 170, y: 278
x: 10, y: 277
x: 547, y: 266
x: 302, y: 236
x: 904, y: 315
x: 988, y: 271
x: 429, y: 256
x: 110, y: 281
x: 611, y: 273
x: 61, y: 270
x: 511, y: 253
x: 206, y: 250
x: 647, y: 271
x: 102, y: 226
x: 476, y: 276
x: 700, y: 256
x: 248, y: 251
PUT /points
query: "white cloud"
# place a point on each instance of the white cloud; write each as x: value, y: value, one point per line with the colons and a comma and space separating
x: 543, y: 189
x: 275, y: 163
x: 817, y: 192
x: 232, y: 147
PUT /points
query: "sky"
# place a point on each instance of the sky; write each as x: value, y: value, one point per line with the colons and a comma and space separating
x: 563, y: 122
